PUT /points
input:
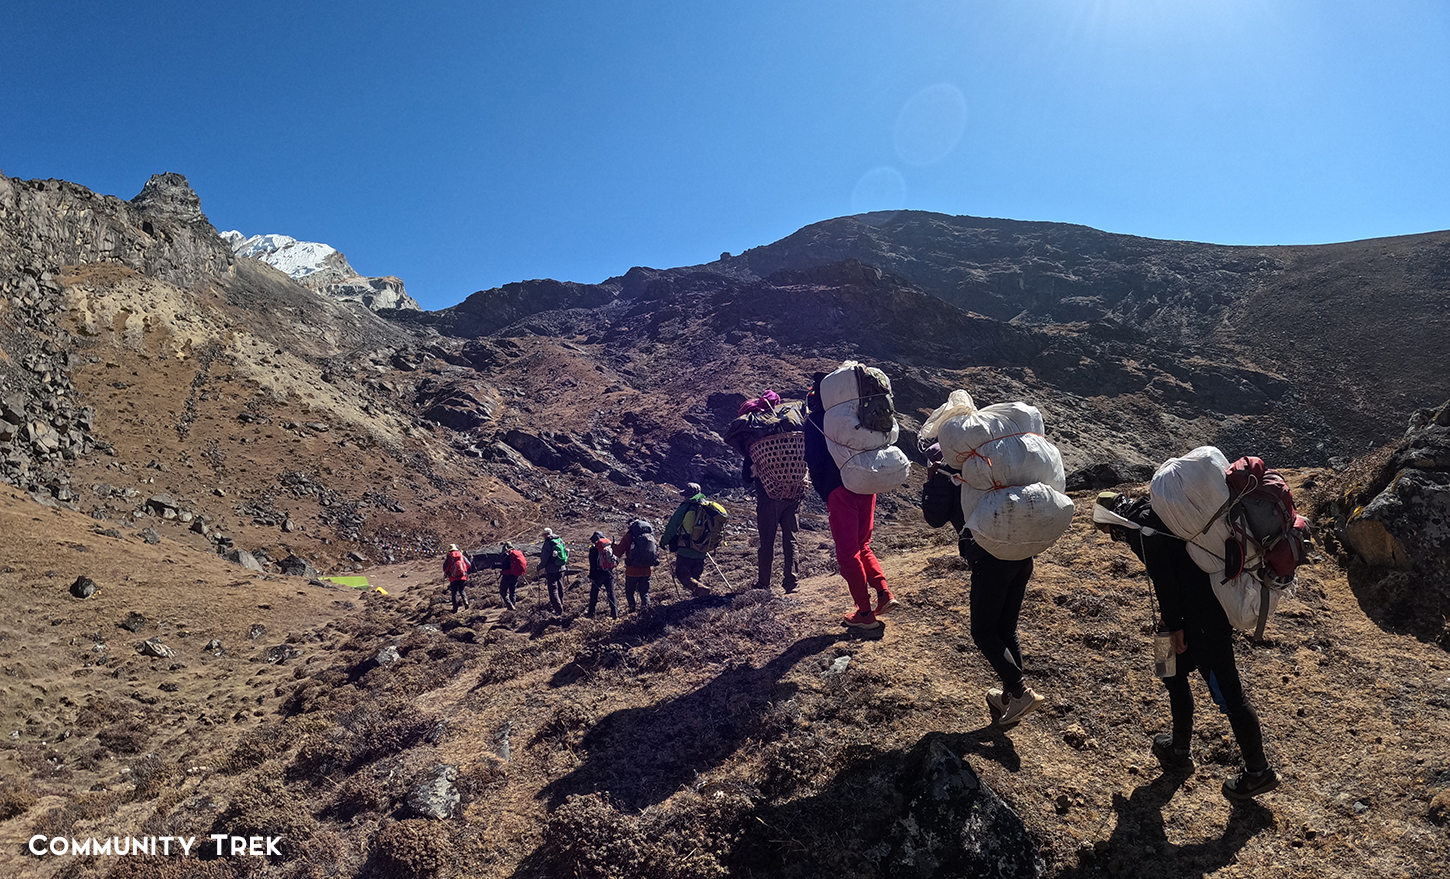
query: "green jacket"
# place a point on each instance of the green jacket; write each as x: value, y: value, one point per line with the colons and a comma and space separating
x: 673, y: 529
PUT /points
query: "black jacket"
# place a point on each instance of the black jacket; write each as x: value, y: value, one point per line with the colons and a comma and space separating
x: 1185, y: 591
x: 825, y: 475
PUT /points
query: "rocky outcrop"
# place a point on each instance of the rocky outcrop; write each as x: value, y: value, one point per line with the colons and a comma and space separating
x: 1392, y: 516
x: 460, y: 403
x: 1401, y: 517
x: 955, y: 825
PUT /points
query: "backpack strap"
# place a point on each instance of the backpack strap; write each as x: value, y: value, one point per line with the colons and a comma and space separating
x: 1263, y: 610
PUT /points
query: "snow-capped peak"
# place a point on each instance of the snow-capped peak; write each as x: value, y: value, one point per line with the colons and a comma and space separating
x: 298, y: 259
x: 322, y: 268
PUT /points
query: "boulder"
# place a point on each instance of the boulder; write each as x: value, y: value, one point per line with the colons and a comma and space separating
x: 154, y: 647
x: 160, y: 504
x: 435, y: 796
x: 297, y: 566
x: 955, y: 825
x: 1400, y: 518
x: 1107, y: 474
x: 83, y: 587
x: 243, y: 558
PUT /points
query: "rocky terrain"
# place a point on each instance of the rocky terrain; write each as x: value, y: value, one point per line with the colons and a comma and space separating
x: 322, y: 268
x: 204, y: 439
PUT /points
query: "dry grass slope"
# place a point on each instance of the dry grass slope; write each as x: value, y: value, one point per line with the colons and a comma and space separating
x: 704, y: 739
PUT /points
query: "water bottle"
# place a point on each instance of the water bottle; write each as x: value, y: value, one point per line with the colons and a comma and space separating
x: 1165, y: 660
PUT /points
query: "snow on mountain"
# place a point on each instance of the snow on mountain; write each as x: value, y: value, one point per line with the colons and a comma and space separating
x: 321, y: 268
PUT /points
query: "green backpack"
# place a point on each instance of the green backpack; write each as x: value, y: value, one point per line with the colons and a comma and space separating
x: 704, y: 526
x: 558, y: 554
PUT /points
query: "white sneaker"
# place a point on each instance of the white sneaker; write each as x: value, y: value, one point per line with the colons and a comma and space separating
x: 1018, y: 707
x: 995, y: 700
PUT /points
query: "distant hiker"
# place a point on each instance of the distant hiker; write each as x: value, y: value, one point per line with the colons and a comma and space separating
x: 852, y: 517
x: 637, y: 547
x: 455, y: 568
x: 1202, y: 638
x: 689, y: 555
x: 601, y: 573
x: 553, y: 556
x: 514, y: 566
x: 768, y: 434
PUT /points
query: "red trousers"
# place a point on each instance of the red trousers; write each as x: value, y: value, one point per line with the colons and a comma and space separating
x: 852, y: 517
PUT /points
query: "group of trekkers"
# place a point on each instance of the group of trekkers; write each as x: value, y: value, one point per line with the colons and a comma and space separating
x: 781, y: 442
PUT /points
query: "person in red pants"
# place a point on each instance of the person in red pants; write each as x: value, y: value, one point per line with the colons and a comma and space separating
x: 852, y: 517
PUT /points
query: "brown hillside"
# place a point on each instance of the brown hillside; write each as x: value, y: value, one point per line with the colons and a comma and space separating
x: 165, y: 408
x: 717, y: 724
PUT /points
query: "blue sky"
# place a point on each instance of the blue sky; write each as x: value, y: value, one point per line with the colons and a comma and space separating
x: 464, y: 145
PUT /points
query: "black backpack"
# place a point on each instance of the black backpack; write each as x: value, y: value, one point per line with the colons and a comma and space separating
x: 644, y: 550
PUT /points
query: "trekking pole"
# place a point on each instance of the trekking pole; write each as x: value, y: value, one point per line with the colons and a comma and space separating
x: 720, y: 572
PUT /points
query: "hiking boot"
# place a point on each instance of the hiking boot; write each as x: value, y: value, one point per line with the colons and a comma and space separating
x: 1247, y: 785
x: 886, y: 603
x: 760, y: 586
x: 789, y: 585
x: 1170, y: 758
x: 861, y: 620
x: 1018, y: 707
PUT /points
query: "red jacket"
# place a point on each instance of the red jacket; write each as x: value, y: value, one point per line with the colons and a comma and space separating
x: 455, y: 559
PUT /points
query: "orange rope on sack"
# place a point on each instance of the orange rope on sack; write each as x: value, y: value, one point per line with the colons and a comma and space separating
x: 996, y: 486
x: 964, y: 458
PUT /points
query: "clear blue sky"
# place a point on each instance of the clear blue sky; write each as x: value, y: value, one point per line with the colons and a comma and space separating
x: 463, y: 145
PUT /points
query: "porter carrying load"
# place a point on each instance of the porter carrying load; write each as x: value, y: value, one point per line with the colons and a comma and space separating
x: 860, y: 427
x: 1012, y: 479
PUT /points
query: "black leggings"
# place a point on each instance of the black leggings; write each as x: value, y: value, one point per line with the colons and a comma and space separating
x: 1212, y: 654
x: 998, y: 588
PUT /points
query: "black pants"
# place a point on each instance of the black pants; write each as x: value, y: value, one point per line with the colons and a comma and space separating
x: 458, y: 591
x: 633, y: 585
x: 603, y: 579
x: 998, y: 588
x: 1212, y: 653
x: 508, y: 585
x: 773, y: 515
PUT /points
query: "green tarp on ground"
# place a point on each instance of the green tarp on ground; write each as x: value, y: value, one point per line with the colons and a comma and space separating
x: 354, y: 582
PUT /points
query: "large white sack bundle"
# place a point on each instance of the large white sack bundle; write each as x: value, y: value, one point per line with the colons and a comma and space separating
x: 843, y: 428
x: 1206, y: 549
x: 962, y: 435
x: 875, y: 470
x: 1242, y: 598
x: 1020, y: 521
x: 1015, y: 460
x: 1187, y: 493
x: 839, y: 386
x: 959, y: 404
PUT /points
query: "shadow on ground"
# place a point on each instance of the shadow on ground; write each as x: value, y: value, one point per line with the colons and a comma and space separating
x: 643, y: 755
x: 1139, y: 844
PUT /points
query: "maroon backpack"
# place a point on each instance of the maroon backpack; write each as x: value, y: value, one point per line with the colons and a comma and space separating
x: 1261, y: 516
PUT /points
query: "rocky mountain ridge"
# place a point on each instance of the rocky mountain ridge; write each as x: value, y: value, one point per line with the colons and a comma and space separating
x: 212, y: 437
x: 322, y: 268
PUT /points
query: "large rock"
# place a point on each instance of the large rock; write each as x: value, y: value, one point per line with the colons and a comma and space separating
x: 436, y: 797
x: 1401, y: 516
x: 955, y: 825
x: 1394, y: 519
x: 243, y: 558
x: 297, y: 566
